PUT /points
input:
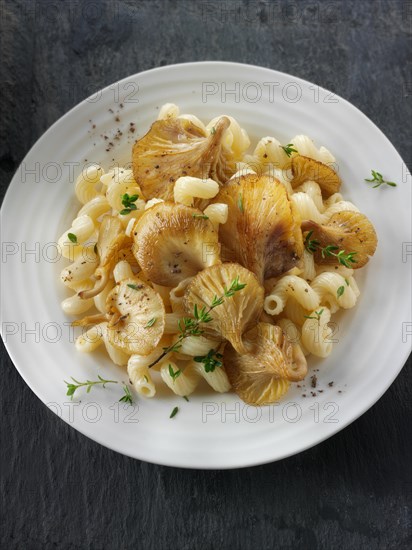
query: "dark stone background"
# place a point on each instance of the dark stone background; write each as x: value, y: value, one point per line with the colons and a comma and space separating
x: 60, y: 490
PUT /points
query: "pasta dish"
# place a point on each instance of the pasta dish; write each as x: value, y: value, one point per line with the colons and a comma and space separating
x: 207, y: 261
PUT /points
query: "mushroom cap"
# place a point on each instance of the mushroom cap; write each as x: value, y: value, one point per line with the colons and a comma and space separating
x: 263, y: 375
x: 132, y: 305
x: 262, y: 232
x: 237, y: 313
x: 347, y: 230
x: 173, y: 242
x: 305, y: 169
x: 176, y: 147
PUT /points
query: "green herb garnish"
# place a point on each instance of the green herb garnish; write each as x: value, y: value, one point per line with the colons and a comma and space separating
x: 311, y: 245
x: 378, y: 178
x: 317, y: 313
x: 72, y: 388
x: 151, y: 322
x: 128, y: 203
x: 289, y: 149
x: 210, y: 361
x: 174, y: 412
x: 127, y: 398
x: 174, y: 374
x: 240, y: 202
x: 345, y: 259
x: 135, y: 287
x: 72, y: 237
x: 340, y: 291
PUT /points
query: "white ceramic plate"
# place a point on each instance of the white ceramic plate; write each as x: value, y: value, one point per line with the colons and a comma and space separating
x: 210, y: 431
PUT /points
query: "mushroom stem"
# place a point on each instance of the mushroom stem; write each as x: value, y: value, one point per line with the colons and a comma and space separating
x: 90, y: 320
x: 102, y: 277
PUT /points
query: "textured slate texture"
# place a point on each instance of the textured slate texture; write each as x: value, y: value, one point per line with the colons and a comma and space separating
x: 60, y: 490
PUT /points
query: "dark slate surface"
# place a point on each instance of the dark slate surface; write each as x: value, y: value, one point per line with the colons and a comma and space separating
x: 60, y: 490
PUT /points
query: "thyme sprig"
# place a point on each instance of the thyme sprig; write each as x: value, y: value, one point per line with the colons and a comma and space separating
x: 378, y: 178
x: 344, y: 258
x: 190, y: 326
x: 127, y: 398
x: 89, y: 384
x: 174, y: 373
x: 318, y: 315
x: 210, y: 361
x: 289, y: 149
x: 72, y: 388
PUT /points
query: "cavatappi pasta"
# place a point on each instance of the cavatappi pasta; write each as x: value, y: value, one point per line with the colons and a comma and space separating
x: 224, y: 267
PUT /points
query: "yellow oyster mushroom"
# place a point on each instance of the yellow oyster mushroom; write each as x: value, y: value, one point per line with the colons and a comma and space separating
x: 176, y: 147
x: 173, y: 242
x: 264, y: 374
x: 238, y: 312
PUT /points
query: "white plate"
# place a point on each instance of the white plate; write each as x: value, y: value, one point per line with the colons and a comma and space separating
x: 211, y: 431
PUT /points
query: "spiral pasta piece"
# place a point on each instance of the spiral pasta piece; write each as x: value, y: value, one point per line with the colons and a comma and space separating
x: 139, y: 373
x: 187, y: 188
x: 313, y: 190
x: 306, y: 207
x: 91, y: 339
x: 334, y: 291
x: 316, y: 333
x: 307, y: 148
x: 70, y: 243
x: 295, y: 312
x: 95, y: 208
x: 184, y: 381
x: 217, y: 213
x: 85, y: 186
x: 74, y: 305
x: 217, y: 379
x: 270, y: 151
x: 309, y: 269
x: 290, y: 285
x: 80, y: 270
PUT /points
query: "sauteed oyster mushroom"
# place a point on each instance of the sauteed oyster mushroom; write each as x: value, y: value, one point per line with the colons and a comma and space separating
x: 308, y: 169
x: 347, y: 231
x: 262, y: 232
x: 176, y: 147
x: 173, y: 242
x: 136, y: 317
x: 263, y: 375
x: 237, y: 312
